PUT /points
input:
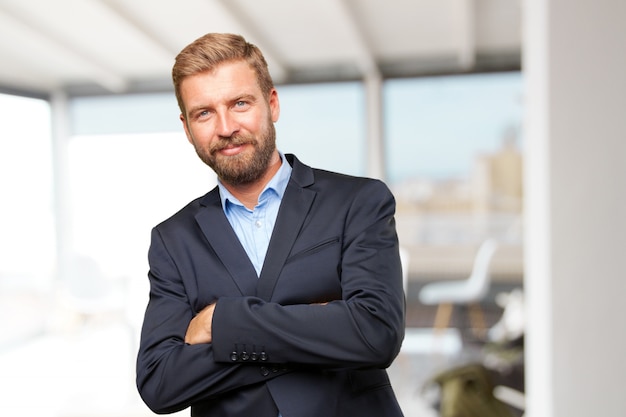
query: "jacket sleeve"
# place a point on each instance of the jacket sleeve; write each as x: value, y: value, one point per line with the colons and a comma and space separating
x: 172, y: 375
x: 363, y: 329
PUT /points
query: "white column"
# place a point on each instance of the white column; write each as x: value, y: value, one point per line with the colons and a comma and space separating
x: 575, y: 177
x: 60, y: 136
x: 375, y: 148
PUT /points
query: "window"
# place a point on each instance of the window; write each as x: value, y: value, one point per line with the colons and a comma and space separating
x: 454, y: 157
x: 27, y: 240
x: 323, y: 124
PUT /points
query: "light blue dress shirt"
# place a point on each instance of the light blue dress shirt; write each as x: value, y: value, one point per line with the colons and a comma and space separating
x: 254, y: 227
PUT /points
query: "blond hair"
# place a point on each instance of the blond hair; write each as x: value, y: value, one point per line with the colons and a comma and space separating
x: 207, y: 52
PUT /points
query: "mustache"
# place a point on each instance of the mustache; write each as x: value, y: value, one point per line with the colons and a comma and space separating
x: 235, y: 140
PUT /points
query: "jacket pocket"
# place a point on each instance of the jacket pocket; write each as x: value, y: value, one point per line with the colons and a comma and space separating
x: 318, y: 247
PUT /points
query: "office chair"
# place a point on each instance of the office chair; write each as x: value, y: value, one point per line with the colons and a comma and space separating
x: 463, y: 292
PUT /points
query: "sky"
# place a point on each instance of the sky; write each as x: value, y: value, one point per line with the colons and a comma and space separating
x: 436, y: 125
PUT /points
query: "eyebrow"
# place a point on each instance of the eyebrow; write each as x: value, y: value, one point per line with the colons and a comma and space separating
x: 246, y: 97
x: 241, y: 97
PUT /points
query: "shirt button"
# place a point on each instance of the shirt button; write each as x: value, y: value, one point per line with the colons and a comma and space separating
x: 258, y: 224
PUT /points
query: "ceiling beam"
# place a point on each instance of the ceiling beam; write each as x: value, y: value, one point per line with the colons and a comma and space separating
x: 251, y: 32
x: 99, y: 72
x: 467, y: 34
x: 366, y: 61
x: 155, y: 37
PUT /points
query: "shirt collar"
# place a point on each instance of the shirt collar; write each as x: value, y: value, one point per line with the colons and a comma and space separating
x: 278, y: 184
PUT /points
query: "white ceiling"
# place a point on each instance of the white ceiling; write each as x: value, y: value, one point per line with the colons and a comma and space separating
x: 117, y: 46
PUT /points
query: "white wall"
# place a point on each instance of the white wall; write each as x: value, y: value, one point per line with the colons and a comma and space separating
x: 575, y: 69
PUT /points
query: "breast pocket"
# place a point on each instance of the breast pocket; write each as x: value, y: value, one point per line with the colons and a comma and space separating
x: 312, y: 275
x: 315, y: 249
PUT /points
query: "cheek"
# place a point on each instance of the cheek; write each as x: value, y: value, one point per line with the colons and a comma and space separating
x: 199, y: 134
x: 249, y: 125
x: 254, y: 122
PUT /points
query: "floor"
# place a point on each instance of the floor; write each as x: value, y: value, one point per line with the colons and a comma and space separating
x: 87, y: 369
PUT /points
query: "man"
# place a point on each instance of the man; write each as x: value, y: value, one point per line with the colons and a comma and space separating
x: 279, y: 292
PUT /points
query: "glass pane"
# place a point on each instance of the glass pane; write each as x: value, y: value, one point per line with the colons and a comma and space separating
x: 323, y: 124
x: 123, y: 114
x: 123, y: 185
x: 454, y: 150
x: 436, y: 127
x: 27, y: 242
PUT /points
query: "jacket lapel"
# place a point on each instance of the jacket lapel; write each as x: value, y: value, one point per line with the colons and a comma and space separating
x: 293, y: 211
x: 224, y: 241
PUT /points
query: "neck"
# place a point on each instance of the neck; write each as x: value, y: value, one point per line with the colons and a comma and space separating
x: 249, y: 193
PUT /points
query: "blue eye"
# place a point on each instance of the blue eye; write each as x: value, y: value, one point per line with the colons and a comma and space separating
x: 203, y: 114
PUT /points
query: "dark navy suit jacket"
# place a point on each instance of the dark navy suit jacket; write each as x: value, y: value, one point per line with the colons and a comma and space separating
x: 273, y: 348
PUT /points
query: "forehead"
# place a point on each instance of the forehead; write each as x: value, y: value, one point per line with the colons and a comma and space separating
x: 224, y: 82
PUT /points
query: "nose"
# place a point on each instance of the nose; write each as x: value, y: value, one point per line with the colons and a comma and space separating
x: 226, y: 124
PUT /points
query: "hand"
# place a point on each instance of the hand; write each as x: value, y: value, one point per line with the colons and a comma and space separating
x: 199, y: 329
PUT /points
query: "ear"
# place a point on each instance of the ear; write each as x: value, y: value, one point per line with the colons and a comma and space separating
x: 274, y: 105
x: 186, y: 128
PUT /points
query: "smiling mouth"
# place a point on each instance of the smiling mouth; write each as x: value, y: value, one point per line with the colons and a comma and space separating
x: 232, y: 146
x: 231, y: 149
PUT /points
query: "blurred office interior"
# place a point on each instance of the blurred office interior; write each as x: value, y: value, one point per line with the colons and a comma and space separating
x: 491, y: 121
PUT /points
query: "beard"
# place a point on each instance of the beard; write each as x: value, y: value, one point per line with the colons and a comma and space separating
x: 245, y: 167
